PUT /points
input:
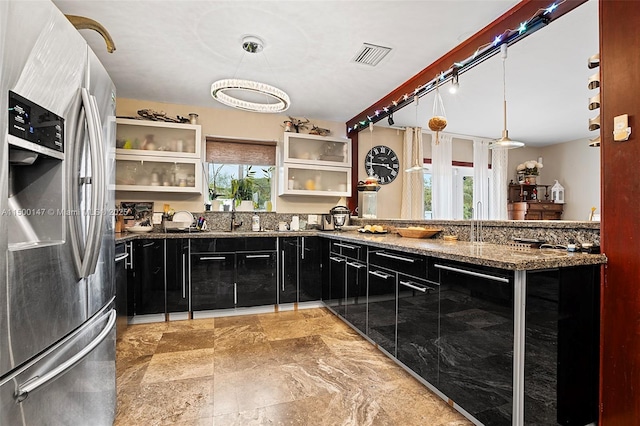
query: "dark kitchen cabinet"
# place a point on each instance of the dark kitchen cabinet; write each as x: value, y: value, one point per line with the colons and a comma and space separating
x: 289, y: 255
x: 381, y: 322
x: 256, y: 278
x: 148, y: 277
x: 562, y: 346
x: 347, y: 281
x: 300, y: 269
x: 389, y: 280
x: 418, y: 326
x: 336, y: 288
x: 355, y: 303
x: 121, y: 263
x: 212, y: 280
x: 177, y: 275
x: 475, y: 365
x: 310, y: 269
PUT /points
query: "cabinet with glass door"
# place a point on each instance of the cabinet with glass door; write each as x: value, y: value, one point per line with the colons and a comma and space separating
x: 315, y: 165
x: 158, y: 156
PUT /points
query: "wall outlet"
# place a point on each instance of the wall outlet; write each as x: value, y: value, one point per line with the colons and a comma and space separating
x: 312, y: 219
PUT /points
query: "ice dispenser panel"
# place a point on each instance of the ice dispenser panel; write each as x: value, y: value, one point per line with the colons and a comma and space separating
x: 35, y: 212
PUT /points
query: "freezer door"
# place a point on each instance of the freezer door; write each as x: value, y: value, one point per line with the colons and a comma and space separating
x: 72, y: 384
x: 44, y: 60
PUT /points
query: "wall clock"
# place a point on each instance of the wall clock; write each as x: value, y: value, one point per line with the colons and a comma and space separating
x: 381, y: 162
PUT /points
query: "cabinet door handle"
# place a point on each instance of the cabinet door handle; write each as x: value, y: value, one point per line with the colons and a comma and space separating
x: 472, y: 273
x: 282, y: 270
x: 257, y: 256
x: 337, y: 259
x: 148, y: 244
x: 380, y: 274
x: 393, y: 256
x: 184, y: 287
x: 129, y: 247
x: 346, y: 246
x: 302, y: 248
x: 121, y: 257
x: 235, y: 294
x: 356, y: 265
x: 212, y: 258
x: 415, y: 286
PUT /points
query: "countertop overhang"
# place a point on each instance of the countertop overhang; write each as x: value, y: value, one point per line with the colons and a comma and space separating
x: 484, y: 254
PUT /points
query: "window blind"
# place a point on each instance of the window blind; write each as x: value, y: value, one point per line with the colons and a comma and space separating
x: 240, y: 151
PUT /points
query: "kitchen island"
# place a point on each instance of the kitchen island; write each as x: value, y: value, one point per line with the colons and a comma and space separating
x: 505, y: 334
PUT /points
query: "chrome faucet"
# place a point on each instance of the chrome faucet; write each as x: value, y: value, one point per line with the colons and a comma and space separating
x: 476, y: 225
x: 234, y: 224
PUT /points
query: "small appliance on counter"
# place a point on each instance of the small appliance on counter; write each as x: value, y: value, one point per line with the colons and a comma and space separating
x: 341, y: 215
x: 326, y: 222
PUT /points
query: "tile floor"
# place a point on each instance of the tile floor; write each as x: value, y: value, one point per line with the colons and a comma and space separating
x: 301, y: 367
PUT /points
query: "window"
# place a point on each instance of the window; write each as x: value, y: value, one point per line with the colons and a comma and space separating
x: 428, y: 210
x: 462, y: 192
x: 242, y: 169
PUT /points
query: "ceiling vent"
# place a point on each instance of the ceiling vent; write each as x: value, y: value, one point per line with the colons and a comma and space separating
x: 370, y: 54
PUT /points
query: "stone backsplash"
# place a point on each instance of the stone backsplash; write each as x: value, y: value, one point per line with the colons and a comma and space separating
x: 493, y: 231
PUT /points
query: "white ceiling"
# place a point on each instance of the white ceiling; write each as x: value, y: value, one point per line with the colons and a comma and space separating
x: 171, y: 51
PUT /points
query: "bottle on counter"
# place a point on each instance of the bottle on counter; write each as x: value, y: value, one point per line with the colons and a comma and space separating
x: 255, y: 222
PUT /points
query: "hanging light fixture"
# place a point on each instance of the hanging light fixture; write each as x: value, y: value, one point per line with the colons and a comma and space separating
x: 276, y: 100
x: 455, y: 84
x: 417, y: 167
x: 504, y: 141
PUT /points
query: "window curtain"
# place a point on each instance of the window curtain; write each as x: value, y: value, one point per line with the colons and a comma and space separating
x: 412, y: 206
x: 442, y: 177
x: 480, y: 179
x: 499, y: 188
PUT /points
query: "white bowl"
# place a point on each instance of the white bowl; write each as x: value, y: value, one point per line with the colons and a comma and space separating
x: 139, y: 229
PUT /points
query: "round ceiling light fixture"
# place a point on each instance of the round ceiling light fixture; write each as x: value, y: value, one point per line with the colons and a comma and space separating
x: 227, y: 91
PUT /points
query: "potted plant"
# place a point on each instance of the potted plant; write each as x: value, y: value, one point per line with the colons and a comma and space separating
x: 242, y: 191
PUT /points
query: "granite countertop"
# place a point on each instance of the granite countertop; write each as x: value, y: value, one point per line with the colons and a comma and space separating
x: 485, y: 254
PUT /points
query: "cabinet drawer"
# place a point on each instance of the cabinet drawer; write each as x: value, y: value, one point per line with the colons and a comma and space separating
x: 256, y: 244
x: 406, y: 263
x: 212, y: 245
x: 349, y: 249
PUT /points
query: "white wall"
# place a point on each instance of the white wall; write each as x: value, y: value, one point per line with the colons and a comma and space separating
x: 576, y: 166
x: 230, y: 123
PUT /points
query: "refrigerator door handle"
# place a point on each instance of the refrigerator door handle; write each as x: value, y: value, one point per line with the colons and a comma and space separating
x: 96, y: 221
x: 86, y: 257
x: 33, y: 384
x: 73, y: 186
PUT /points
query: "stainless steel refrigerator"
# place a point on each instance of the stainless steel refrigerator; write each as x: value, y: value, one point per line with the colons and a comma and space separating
x: 57, y: 317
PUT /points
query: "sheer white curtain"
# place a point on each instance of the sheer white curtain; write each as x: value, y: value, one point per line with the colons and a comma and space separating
x: 413, y: 182
x: 442, y: 177
x: 480, y: 178
x: 499, y: 185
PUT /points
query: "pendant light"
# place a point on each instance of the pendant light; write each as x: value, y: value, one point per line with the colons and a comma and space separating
x: 504, y: 142
x: 417, y: 167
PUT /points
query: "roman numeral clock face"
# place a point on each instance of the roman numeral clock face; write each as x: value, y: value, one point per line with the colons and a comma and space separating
x: 381, y: 162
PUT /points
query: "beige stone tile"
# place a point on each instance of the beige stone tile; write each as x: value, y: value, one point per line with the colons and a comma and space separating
x: 165, y: 403
x: 179, y: 365
x: 250, y: 389
x: 178, y: 341
x: 131, y: 373
x: 324, y: 410
x: 237, y: 336
x: 245, y: 357
x: 301, y: 349
x: 237, y: 321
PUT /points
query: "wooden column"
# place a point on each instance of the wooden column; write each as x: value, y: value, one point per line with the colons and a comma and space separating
x: 620, y: 233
